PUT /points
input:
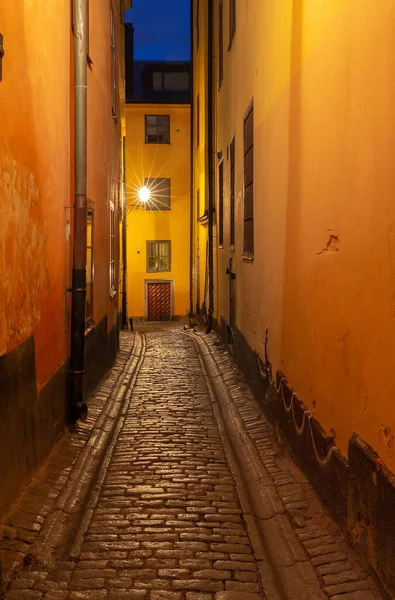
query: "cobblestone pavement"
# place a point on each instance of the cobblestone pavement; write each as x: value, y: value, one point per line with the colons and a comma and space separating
x: 190, y: 500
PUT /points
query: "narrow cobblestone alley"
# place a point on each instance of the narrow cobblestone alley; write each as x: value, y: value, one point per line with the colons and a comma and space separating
x: 174, y: 489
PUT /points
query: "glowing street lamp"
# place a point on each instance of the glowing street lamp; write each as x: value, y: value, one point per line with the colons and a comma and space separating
x: 144, y: 194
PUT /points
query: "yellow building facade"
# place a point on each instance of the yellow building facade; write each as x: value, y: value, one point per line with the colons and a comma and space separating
x: 200, y: 275
x: 158, y: 160
x: 303, y: 241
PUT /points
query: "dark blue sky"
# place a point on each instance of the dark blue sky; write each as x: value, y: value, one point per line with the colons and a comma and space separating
x: 161, y: 29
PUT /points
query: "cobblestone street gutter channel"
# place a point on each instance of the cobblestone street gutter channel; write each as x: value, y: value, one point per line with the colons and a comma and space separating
x: 300, y: 551
x: 49, y: 510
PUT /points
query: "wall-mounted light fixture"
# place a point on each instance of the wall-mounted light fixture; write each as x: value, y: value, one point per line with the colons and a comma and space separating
x: 144, y: 194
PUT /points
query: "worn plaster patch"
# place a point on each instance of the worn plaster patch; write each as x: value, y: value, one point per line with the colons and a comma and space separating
x: 22, y: 266
x: 332, y: 245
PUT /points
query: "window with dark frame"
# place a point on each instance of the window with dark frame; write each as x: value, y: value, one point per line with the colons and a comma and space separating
x: 170, y: 82
x: 232, y: 20
x: 197, y: 23
x: 89, y: 269
x: 158, y: 256
x: 232, y: 194
x: 198, y: 204
x: 220, y: 43
x: 249, y: 182
x: 160, y: 198
x: 113, y: 66
x: 198, y: 120
x: 221, y: 204
x: 157, y: 129
x: 113, y: 287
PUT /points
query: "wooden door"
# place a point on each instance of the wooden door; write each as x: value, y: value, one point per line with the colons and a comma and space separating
x: 159, y: 301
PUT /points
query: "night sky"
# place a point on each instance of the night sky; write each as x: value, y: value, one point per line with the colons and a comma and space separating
x: 161, y: 29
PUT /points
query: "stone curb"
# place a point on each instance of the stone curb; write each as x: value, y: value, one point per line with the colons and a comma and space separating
x: 63, y: 523
x: 285, y: 569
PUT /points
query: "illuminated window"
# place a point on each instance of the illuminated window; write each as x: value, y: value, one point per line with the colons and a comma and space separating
x: 160, y: 197
x: 158, y: 256
x: 249, y: 182
x: 89, y: 268
x: 157, y: 129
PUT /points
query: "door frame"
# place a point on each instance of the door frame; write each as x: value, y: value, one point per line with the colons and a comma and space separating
x: 148, y: 281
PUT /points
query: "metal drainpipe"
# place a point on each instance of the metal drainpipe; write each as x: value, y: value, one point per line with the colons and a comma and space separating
x: 210, y: 167
x: 191, y: 166
x: 78, y: 291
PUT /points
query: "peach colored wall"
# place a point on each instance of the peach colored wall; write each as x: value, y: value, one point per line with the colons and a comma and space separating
x: 320, y: 74
x: 34, y: 178
x: 158, y: 160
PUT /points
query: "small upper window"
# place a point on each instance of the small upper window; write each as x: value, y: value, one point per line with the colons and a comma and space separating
x: 170, y: 82
x: 157, y: 129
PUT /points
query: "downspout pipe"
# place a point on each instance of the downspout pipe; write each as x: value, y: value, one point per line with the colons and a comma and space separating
x: 210, y: 149
x: 77, y: 408
x: 191, y: 165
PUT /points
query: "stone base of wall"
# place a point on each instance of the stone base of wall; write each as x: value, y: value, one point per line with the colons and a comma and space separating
x: 101, y: 348
x: 30, y: 422
x: 358, y: 492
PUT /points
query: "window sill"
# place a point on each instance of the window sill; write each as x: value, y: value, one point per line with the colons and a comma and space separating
x: 158, y: 143
x: 220, y: 247
x: 248, y: 257
x: 113, y: 293
x: 232, y: 248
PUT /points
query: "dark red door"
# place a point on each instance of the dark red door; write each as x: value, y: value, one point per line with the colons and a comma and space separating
x: 159, y: 308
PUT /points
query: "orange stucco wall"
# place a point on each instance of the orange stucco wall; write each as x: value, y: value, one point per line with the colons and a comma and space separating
x: 34, y: 179
x: 36, y: 221
x: 104, y: 155
x: 36, y: 170
x: 322, y: 279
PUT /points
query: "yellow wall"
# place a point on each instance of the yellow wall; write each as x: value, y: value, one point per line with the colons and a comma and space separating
x: 158, y: 160
x: 320, y: 74
x: 200, y: 163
